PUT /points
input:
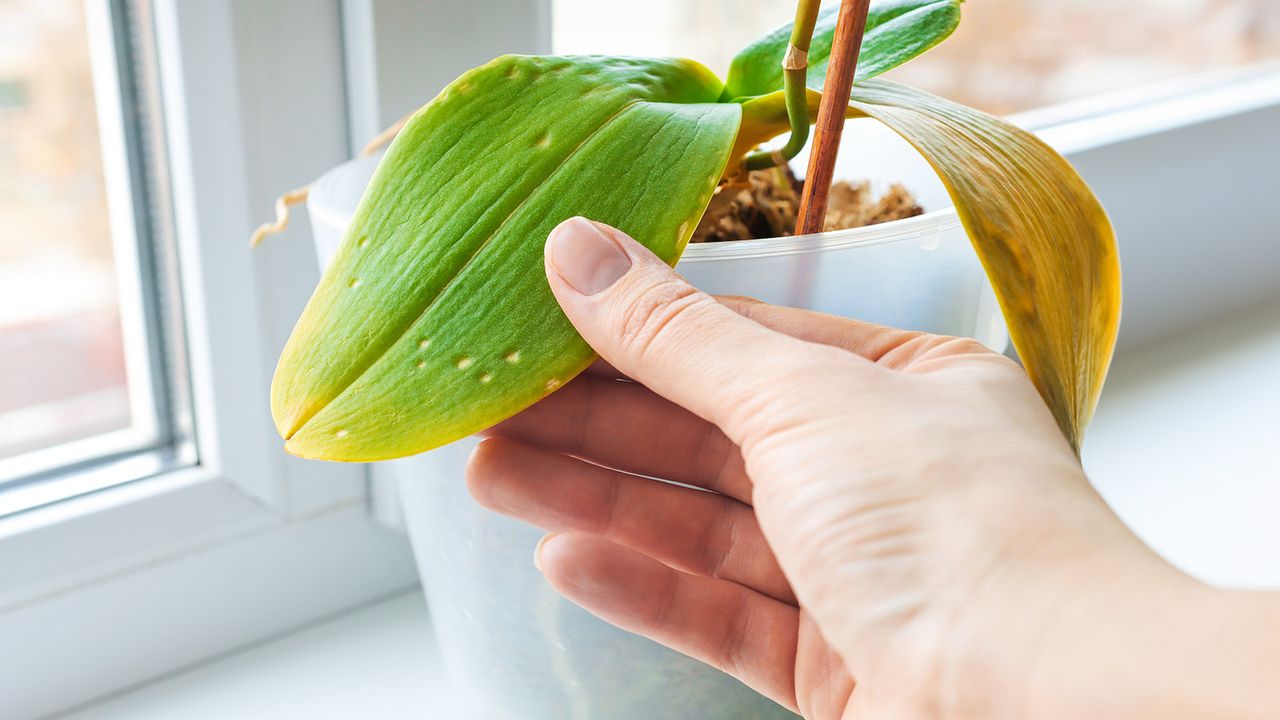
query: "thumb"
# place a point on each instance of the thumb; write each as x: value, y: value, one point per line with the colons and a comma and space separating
x: 655, y: 327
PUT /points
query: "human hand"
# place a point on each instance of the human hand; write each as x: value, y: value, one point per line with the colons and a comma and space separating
x: 890, y: 507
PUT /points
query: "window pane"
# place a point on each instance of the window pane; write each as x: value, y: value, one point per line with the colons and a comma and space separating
x: 1008, y: 55
x: 93, y: 388
x: 62, y: 362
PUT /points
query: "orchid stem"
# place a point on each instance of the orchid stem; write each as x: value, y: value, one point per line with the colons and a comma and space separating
x: 795, y: 69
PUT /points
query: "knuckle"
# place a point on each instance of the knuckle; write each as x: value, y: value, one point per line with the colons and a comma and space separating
x: 962, y: 346
x: 744, y: 305
x: 737, y: 628
x: 921, y: 348
x: 717, y: 545
x: 647, y: 319
x: 609, y: 510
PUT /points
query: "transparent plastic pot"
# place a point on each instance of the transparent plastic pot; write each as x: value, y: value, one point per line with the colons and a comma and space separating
x: 512, y: 646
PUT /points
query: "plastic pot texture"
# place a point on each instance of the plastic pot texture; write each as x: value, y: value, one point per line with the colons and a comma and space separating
x: 512, y: 646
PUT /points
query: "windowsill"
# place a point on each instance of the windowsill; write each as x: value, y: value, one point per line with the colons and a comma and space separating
x: 376, y: 662
x: 1209, y: 512
x: 1186, y: 446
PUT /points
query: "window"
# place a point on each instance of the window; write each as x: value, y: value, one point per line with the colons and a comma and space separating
x: 121, y: 557
x: 90, y: 361
x: 1006, y: 56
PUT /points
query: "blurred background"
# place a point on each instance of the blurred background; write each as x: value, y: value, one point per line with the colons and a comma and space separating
x: 1006, y: 56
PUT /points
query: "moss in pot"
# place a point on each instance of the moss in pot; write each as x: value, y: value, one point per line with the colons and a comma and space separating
x: 434, y: 319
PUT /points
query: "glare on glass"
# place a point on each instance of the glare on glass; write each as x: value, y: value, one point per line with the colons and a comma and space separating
x: 64, y: 367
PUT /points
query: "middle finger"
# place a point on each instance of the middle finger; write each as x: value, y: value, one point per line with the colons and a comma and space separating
x: 694, y: 531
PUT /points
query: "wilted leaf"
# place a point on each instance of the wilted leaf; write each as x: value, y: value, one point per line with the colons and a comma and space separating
x: 435, y: 319
x: 1044, y: 239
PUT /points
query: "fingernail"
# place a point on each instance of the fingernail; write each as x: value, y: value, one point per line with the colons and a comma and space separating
x: 585, y: 257
x: 537, y: 551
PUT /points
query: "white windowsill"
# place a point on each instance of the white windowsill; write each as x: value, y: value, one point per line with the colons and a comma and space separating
x: 376, y: 662
x: 1184, y: 447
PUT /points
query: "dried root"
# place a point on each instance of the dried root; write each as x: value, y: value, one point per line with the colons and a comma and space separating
x: 293, y: 197
x: 283, y: 203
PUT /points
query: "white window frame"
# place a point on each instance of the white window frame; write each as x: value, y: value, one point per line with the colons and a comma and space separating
x: 117, y: 587
x: 112, y: 588
x: 143, y: 372
x: 1201, y: 142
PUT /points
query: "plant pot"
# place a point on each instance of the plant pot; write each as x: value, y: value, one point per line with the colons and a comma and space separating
x: 509, y: 641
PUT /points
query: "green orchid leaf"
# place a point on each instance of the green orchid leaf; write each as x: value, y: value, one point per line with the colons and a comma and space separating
x: 897, y: 31
x: 1043, y: 238
x: 435, y: 320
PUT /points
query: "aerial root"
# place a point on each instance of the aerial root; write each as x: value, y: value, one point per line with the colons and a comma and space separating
x: 283, y: 203
x: 293, y: 197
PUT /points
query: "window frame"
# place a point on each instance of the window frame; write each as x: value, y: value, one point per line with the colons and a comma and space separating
x: 74, y: 467
x: 1164, y: 146
x: 110, y: 588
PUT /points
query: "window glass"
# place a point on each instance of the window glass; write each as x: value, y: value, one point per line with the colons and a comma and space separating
x: 62, y: 360
x: 1007, y: 55
x: 92, y: 357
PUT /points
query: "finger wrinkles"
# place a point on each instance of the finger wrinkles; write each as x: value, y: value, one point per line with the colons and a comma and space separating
x: 698, y: 532
x: 737, y: 628
x: 719, y: 462
x: 911, y: 354
x: 644, y: 321
x: 626, y: 426
x: 609, y: 504
x: 660, y: 611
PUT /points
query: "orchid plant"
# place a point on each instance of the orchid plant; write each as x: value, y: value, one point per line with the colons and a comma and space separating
x: 435, y: 321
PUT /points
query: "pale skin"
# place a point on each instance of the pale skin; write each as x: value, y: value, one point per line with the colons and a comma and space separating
x: 894, y: 528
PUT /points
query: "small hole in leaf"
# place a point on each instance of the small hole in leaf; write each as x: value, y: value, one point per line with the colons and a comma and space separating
x: 422, y: 364
x: 544, y: 140
x: 424, y: 343
x: 340, y: 433
x: 553, y: 384
x: 486, y: 378
x: 464, y: 363
x: 354, y: 283
x: 513, y: 357
x: 513, y: 71
x: 364, y: 242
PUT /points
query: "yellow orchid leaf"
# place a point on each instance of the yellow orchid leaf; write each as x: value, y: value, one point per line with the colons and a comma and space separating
x: 1043, y: 238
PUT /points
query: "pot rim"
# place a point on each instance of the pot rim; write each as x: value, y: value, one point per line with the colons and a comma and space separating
x: 913, y: 228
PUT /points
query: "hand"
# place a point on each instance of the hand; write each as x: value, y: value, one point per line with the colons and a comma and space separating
x: 895, y: 526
